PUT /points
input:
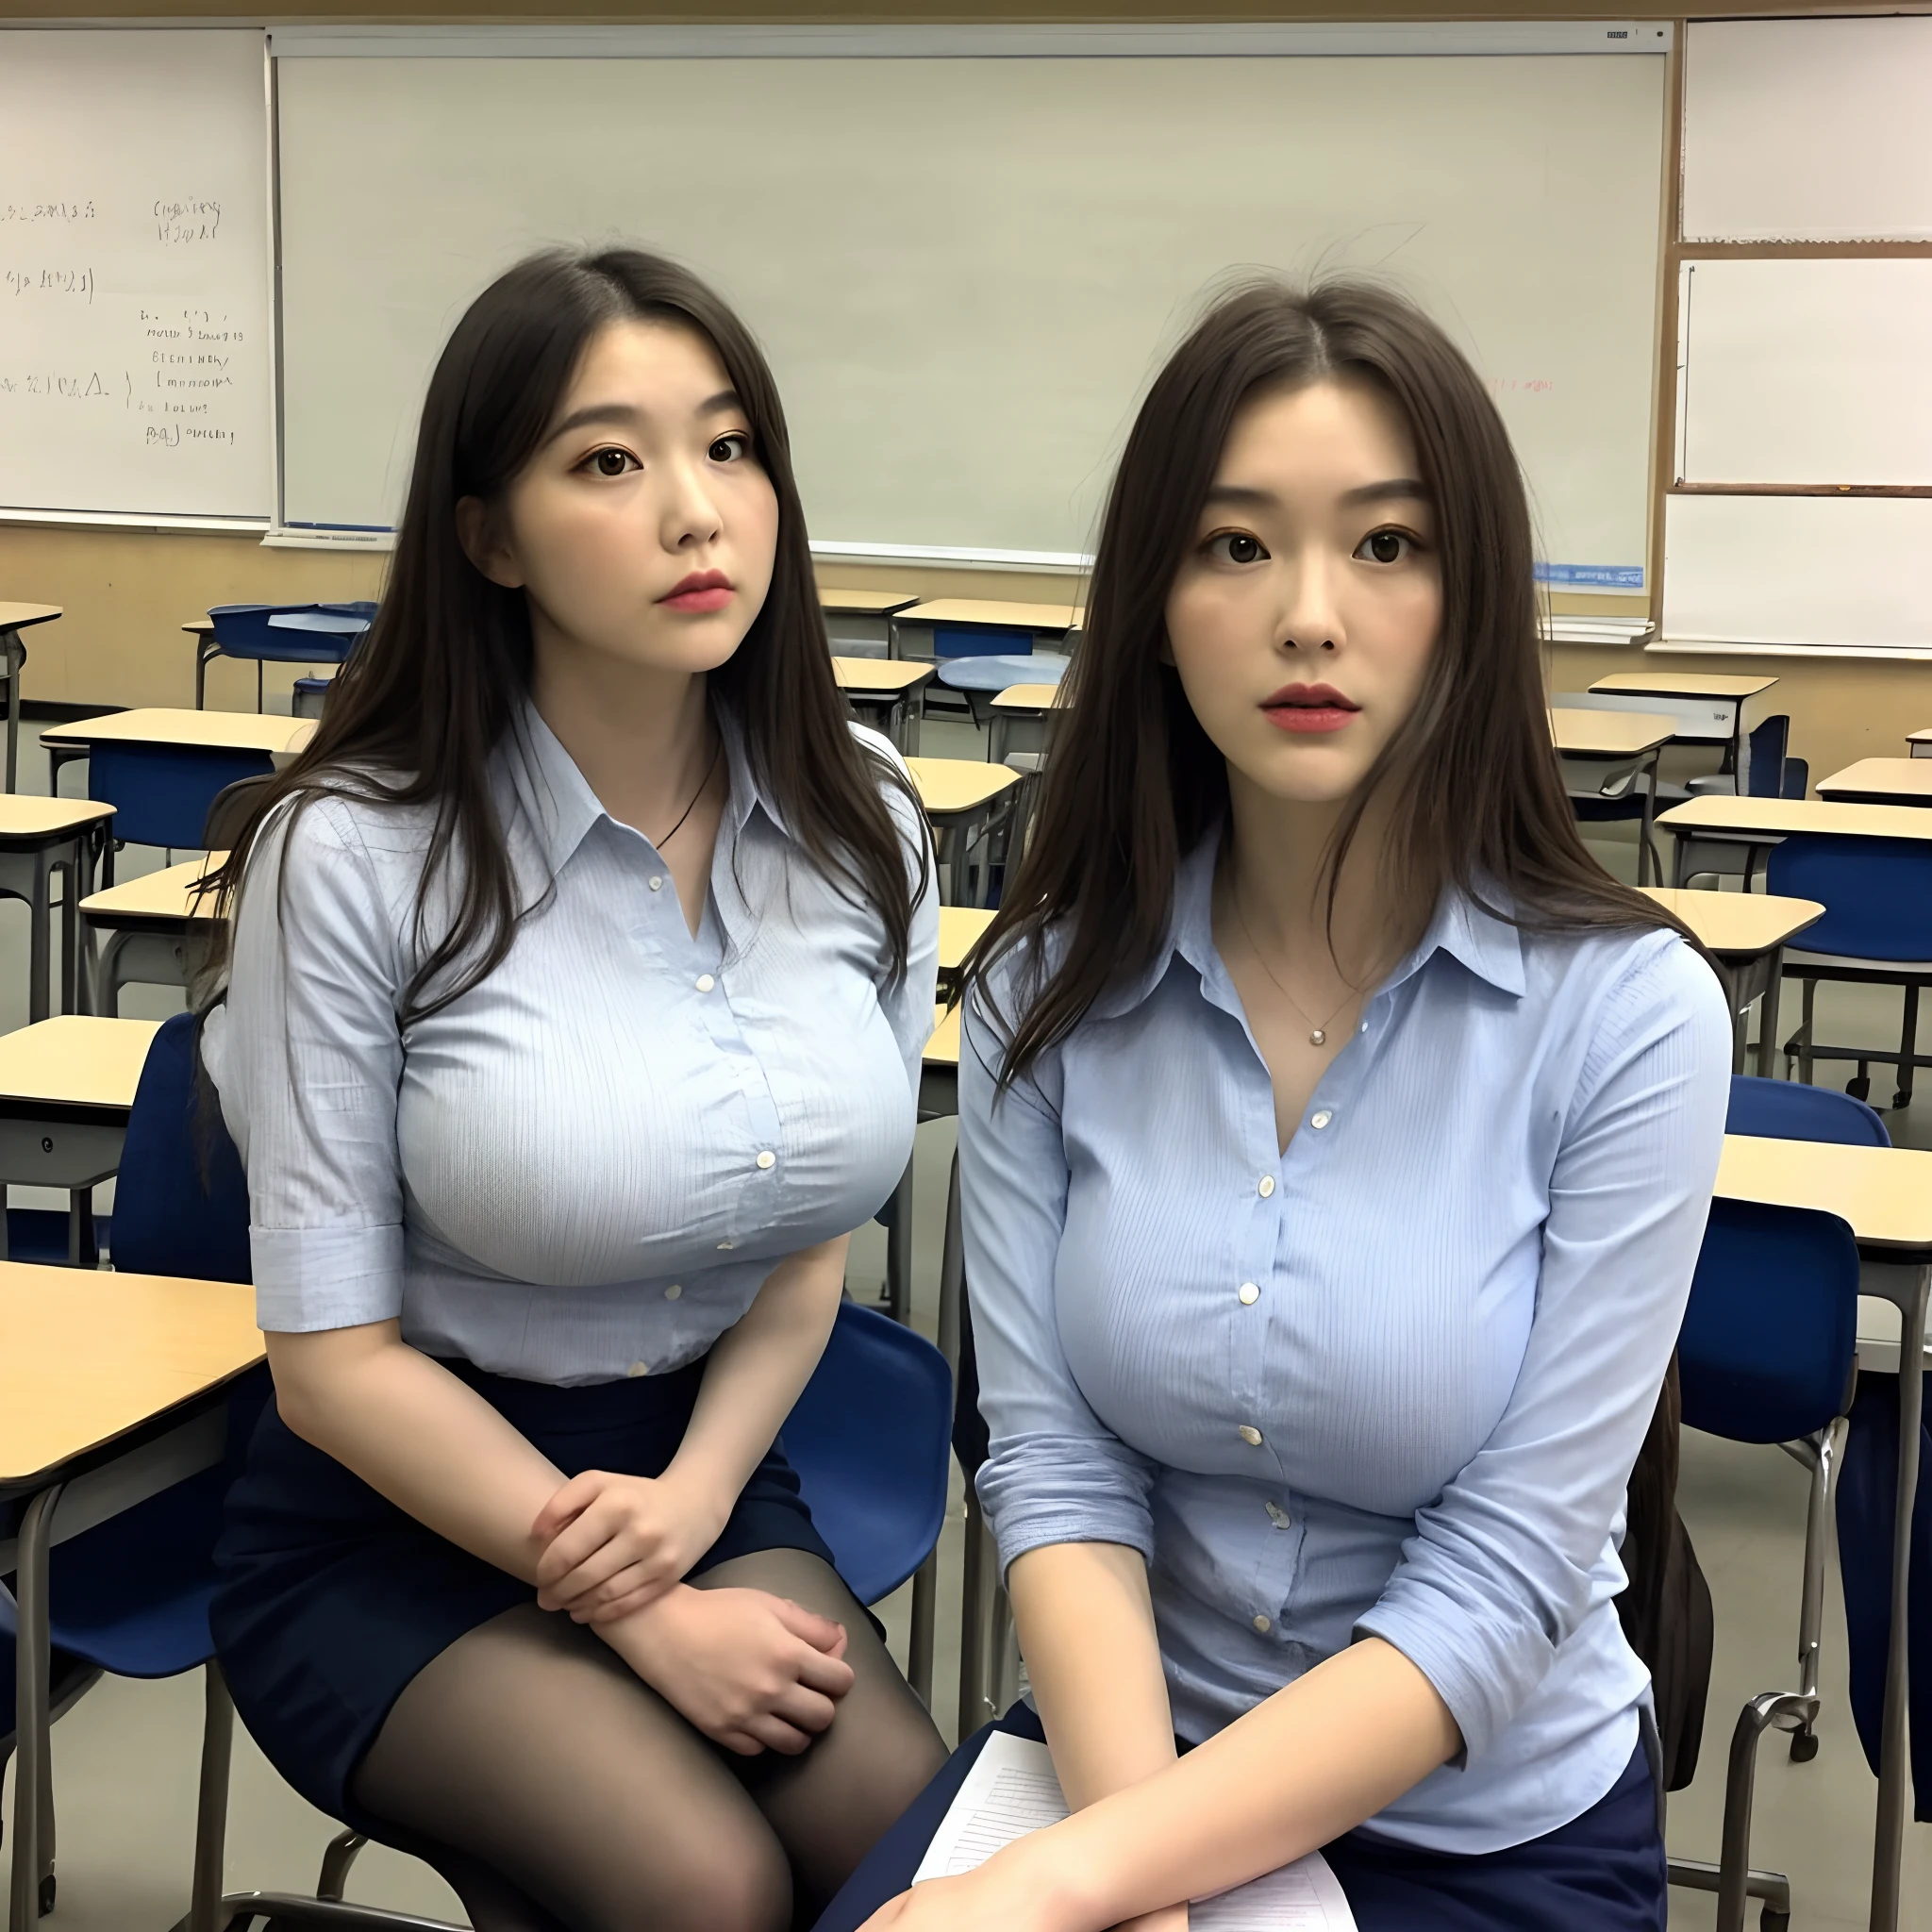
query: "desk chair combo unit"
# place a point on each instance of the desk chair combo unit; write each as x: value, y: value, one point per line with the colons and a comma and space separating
x: 1609, y: 757
x: 967, y: 801
x: 964, y: 629
x: 1745, y: 933
x: 1776, y: 1345
x: 278, y: 634
x: 886, y: 693
x: 161, y: 770
x: 1919, y: 743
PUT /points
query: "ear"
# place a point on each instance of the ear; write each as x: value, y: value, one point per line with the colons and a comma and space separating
x: 483, y: 544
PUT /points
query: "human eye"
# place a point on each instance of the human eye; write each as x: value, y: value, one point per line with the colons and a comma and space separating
x: 1387, y: 546
x: 610, y: 461
x: 732, y: 447
x: 1235, y: 546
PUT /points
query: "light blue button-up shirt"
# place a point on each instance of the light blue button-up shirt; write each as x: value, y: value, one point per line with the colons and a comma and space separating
x: 1391, y: 1382
x: 586, y: 1166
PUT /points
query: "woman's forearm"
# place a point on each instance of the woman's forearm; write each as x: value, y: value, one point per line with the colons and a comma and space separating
x: 417, y: 1435
x: 1309, y: 1763
x: 1086, y: 1624
x: 755, y: 1372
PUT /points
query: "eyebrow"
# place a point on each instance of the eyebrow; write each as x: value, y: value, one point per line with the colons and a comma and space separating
x: 627, y: 415
x: 1245, y: 496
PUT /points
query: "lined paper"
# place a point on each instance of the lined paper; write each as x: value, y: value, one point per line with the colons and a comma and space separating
x: 1012, y: 1789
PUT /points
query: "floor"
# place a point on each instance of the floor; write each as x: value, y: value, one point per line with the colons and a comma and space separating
x: 126, y: 1757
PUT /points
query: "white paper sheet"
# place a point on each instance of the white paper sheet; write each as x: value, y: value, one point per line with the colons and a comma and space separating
x: 1012, y: 1789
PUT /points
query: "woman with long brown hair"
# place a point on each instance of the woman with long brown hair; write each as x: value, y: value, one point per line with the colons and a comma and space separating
x: 580, y: 970
x: 1336, y: 1141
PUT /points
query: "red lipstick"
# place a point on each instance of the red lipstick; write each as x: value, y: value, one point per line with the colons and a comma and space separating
x: 1309, y: 707
x: 702, y: 590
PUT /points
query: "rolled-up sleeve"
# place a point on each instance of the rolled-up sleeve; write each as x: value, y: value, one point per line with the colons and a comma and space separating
x: 1055, y: 1473
x: 1498, y: 1572
x: 306, y: 1056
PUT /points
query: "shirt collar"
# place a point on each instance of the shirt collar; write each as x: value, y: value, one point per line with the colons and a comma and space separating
x: 560, y: 805
x: 1484, y: 945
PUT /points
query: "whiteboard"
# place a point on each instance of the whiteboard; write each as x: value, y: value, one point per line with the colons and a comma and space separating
x: 1805, y: 372
x: 966, y: 271
x: 1851, y: 572
x: 134, y: 274
x: 1808, y: 130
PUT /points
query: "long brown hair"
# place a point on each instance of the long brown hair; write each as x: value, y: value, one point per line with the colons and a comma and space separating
x: 413, y: 716
x: 1134, y: 782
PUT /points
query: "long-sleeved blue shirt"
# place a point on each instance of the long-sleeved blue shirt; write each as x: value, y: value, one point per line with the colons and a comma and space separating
x: 1392, y: 1382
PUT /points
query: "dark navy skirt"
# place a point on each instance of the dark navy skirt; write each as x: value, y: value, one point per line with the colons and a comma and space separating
x: 1603, y: 1871
x: 331, y: 1598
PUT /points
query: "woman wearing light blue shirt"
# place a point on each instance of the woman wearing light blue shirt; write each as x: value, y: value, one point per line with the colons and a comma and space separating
x: 1336, y: 1143
x: 579, y: 974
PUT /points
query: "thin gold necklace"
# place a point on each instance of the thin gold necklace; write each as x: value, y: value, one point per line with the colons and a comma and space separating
x: 1318, y: 1031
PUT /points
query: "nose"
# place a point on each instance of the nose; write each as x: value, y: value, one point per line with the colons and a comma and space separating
x: 688, y: 515
x: 1311, y: 617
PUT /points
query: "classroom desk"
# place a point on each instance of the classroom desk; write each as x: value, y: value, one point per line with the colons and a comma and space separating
x: 15, y: 618
x: 1880, y: 781
x: 887, y: 689
x: 962, y: 928
x: 982, y: 614
x: 110, y: 1390
x: 1885, y: 1195
x: 877, y: 612
x: 1014, y: 705
x: 1920, y: 744
x: 66, y: 1089
x: 1748, y: 823
x: 38, y: 836
x: 939, y: 1078
x: 155, y: 926
x: 1746, y: 933
x: 269, y: 731
x: 1610, y: 739
x: 1708, y: 706
x: 959, y: 796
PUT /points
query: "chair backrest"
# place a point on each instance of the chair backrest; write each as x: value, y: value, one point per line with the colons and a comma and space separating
x: 1765, y: 1355
x: 1797, y: 777
x: 180, y: 1198
x: 870, y: 1439
x: 229, y: 809
x: 1764, y: 759
x: 244, y: 628
x: 1790, y: 1111
x: 980, y: 641
x: 1876, y: 892
x: 162, y: 792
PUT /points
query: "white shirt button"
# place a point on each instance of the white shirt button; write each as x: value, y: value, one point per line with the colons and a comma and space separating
x: 706, y: 982
x: 1264, y: 1625
x: 656, y: 884
x: 1365, y: 1026
x: 672, y: 1292
x: 1250, y: 1435
x: 1249, y: 1293
x: 1267, y: 1185
x: 1319, y: 1121
x: 1277, y: 1515
x: 639, y: 1369
x: 767, y: 1159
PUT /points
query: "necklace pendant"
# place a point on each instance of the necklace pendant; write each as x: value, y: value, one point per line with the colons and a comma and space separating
x: 1318, y: 1038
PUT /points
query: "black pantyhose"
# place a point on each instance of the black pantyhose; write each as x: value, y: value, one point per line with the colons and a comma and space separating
x: 575, y: 1799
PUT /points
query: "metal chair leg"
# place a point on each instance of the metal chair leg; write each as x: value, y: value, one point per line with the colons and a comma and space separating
x: 899, y: 1250
x: 336, y: 1861
x: 978, y: 1587
x: 1907, y: 1046
x: 1827, y: 1446
x: 919, y: 1648
x: 212, y: 1816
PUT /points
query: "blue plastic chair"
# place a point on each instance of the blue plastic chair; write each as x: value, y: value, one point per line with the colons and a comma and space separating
x: 1787, y: 1110
x: 1766, y: 1354
x: 162, y: 792
x: 250, y: 630
x: 1877, y: 931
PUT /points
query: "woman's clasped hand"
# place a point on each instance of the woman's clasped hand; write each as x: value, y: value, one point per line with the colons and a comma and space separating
x: 612, y: 1543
